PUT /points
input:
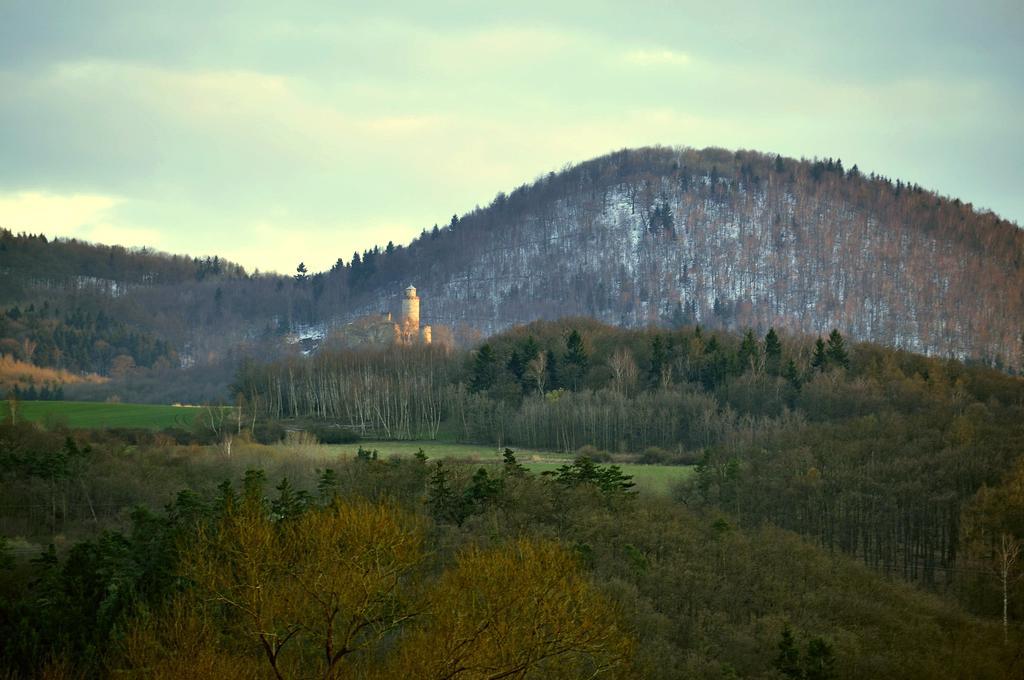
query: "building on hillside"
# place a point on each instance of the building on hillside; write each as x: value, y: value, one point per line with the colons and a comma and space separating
x: 382, y: 329
x: 408, y: 330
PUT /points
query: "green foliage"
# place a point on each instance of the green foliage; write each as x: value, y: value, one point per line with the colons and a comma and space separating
x: 749, y: 356
x: 327, y: 484
x: 836, y: 352
x: 817, y: 663
x: 485, y: 369
x: 290, y: 503
x: 366, y: 455
x: 609, y: 479
x: 444, y: 503
x: 819, y: 361
x: 512, y: 468
x: 772, y: 352
x: 106, y: 415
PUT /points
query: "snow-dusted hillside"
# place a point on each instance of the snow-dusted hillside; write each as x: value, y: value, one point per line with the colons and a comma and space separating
x: 741, y: 240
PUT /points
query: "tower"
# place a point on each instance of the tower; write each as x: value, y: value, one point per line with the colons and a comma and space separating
x: 411, y: 310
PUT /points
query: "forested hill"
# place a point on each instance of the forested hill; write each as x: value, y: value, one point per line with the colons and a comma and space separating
x: 86, y: 307
x: 638, y: 237
x: 739, y: 240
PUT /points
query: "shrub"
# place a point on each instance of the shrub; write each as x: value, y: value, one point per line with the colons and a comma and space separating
x: 268, y: 432
x: 653, y: 455
x: 335, y: 435
x: 593, y: 453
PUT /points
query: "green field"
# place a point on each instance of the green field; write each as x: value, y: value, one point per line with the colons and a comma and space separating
x: 99, y: 415
x: 653, y: 478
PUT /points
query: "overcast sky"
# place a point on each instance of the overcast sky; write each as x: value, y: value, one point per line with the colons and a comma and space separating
x: 304, y: 131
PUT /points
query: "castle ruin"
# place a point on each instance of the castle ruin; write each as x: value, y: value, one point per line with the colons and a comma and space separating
x: 408, y: 330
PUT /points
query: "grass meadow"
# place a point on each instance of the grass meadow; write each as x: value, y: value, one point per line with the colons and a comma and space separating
x: 101, y: 415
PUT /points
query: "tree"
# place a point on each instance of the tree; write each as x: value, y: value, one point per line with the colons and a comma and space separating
x: 658, y: 361
x: 521, y: 610
x: 819, y: 360
x: 788, y: 660
x: 837, y: 354
x: 301, y: 274
x: 324, y: 589
x: 537, y: 371
x: 624, y: 371
x: 749, y: 354
x: 772, y: 352
x: 1007, y: 554
x: 485, y: 369
x: 575, y: 353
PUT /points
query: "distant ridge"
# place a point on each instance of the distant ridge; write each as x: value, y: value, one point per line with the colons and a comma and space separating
x: 645, y: 236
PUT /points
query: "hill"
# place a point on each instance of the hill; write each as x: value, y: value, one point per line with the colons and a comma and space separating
x: 638, y: 237
x: 744, y: 239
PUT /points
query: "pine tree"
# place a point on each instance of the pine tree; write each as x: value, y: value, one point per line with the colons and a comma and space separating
x: 837, y: 354
x: 792, y: 375
x: 484, y: 369
x: 750, y: 353
x: 289, y: 502
x: 327, y: 484
x: 772, y: 352
x: 658, y: 357
x: 788, y: 660
x: 530, y: 349
x: 512, y: 466
x: 819, y: 662
x: 820, y: 359
x: 576, y: 353
x: 551, y: 368
x: 576, y: 360
x: 444, y: 504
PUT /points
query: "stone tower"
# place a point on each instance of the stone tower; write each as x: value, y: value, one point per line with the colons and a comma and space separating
x: 411, y: 309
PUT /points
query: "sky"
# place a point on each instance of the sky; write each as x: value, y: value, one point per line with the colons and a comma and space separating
x: 301, y: 131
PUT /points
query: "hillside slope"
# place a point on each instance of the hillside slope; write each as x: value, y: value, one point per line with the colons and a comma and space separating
x: 727, y: 239
x: 637, y: 237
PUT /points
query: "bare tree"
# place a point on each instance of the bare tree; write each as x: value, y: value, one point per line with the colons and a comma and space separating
x: 1007, y: 555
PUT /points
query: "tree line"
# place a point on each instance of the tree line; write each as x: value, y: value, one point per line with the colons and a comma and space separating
x: 870, y: 451
x: 272, y: 563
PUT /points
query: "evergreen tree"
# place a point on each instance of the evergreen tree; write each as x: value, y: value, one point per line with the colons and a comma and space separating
x: 484, y: 369
x: 772, y: 352
x: 576, y: 360
x: 530, y: 349
x: 792, y: 375
x: 819, y: 359
x: 301, y: 274
x: 836, y: 352
x: 788, y: 660
x: 551, y: 368
x: 658, y: 357
x: 820, y: 662
x: 512, y: 466
x: 444, y: 504
x: 327, y: 484
x: 576, y: 353
x: 289, y: 502
x: 749, y: 354
x: 516, y: 365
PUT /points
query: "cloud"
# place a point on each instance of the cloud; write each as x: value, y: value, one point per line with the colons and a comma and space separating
x: 277, y: 136
x: 661, y: 57
x: 67, y: 215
